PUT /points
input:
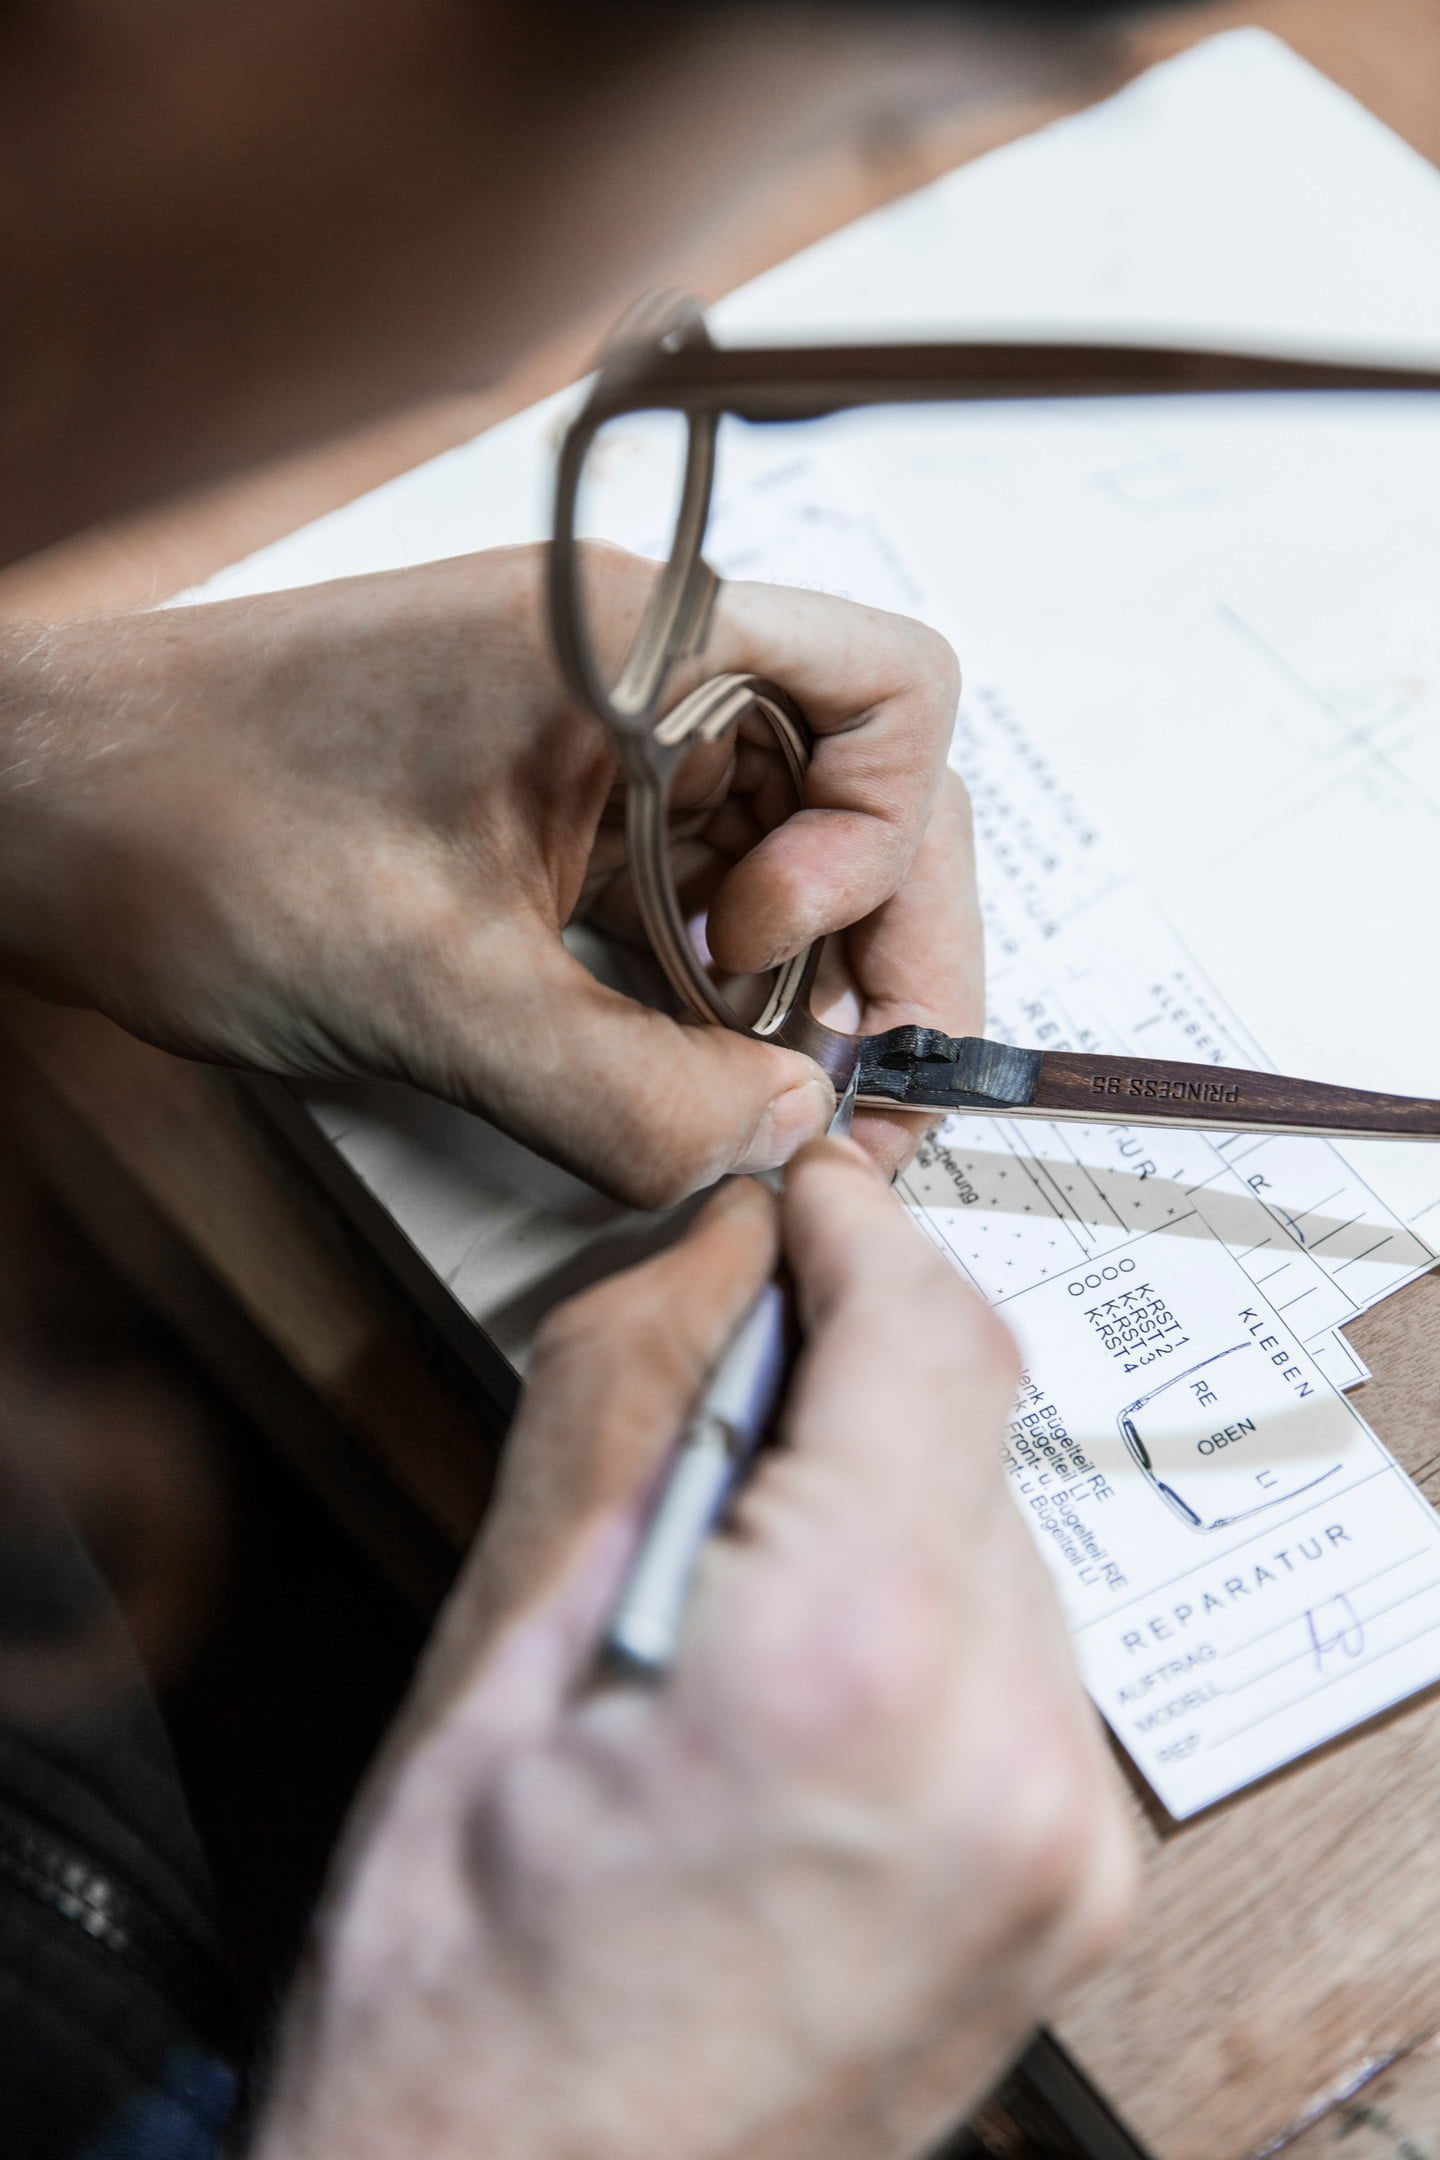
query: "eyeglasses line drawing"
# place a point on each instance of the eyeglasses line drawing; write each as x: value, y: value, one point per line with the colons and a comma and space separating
x: 1205, y: 1478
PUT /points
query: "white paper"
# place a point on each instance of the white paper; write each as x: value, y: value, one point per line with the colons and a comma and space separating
x: 1014, y: 1201
x: 1200, y: 643
x: 1266, y: 1575
x: 1244, y: 1251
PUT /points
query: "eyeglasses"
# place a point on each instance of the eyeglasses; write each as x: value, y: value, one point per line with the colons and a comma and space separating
x: 664, y: 365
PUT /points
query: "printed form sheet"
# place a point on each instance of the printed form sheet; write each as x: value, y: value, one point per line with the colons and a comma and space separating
x: 1246, y: 1570
x: 1201, y: 731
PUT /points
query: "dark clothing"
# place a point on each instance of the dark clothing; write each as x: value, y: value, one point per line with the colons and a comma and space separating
x: 115, y: 2004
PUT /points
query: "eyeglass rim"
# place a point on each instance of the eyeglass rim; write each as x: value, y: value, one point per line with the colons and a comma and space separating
x: 663, y: 358
x: 678, y: 612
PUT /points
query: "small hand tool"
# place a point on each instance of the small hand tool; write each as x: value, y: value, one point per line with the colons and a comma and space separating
x: 726, y: 1427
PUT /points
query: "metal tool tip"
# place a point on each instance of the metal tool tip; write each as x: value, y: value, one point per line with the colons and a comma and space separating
x: 844, y: 1118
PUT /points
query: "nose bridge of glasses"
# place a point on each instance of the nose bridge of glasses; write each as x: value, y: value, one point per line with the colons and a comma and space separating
x: 709, y: 712
x: 650, y: 759
x: 655, y: 749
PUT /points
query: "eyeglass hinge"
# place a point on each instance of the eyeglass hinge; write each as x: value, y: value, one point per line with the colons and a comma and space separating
x: 920, y: 1068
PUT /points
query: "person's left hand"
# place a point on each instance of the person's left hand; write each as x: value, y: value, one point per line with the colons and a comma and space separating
x: 339, y: 831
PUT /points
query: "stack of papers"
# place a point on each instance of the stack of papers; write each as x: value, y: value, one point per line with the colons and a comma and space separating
x: 1201, y: 730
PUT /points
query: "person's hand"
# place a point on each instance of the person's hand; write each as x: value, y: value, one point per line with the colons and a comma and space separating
x: 807, y: 1896
x: 338, y: 831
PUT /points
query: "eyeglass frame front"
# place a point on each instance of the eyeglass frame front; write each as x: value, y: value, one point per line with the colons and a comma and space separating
x: 664, y: 360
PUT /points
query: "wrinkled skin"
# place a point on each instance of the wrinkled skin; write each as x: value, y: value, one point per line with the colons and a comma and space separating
x: 804, y: 1899
x: 339, y: 831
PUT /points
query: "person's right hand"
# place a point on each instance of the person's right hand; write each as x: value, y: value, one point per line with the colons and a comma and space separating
x: 806, y: 1897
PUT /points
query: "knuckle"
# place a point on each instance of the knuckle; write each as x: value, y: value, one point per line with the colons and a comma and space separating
x: 616, y: 585
x: 658, y: 1178
x: 885, y: 1664
x: 1040, y: 1851
x: 519, y: 1818
x: 941, y: 1311
x: 606, y: 559
x: 585, y: 1325
x: 565, y: 1335
x: 614, y: 577
x: 651, y: 1154
x: 976, y: 1333
x: 939, y: 663
x: 649, y: 1333
x: 852, y: 1677
x: 1111, y: 1893
x: 1055, y: 1847
x: 996, y: 1351
x: 955, y: 805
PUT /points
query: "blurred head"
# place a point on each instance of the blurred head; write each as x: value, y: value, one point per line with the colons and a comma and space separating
x: 227, y: 229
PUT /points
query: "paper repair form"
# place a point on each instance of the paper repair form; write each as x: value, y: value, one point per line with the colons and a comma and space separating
x: 1201, y: 732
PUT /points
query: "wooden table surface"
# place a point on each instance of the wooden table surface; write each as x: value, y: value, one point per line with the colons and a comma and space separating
x: 1281, y: 1990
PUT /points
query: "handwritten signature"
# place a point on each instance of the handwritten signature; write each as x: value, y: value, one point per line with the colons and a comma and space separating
x: 1335, y: 1628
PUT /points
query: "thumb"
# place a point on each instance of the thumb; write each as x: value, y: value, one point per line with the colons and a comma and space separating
x: 646, y: 1107
x: 615, y: 1372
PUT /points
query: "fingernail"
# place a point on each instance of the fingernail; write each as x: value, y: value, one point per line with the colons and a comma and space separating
x: 800, y: 1114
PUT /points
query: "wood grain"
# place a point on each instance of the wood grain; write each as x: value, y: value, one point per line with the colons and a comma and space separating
x: 1394, y: 2116
x: 1222, y: 1098
x: 1289, y: 1945
x: 149, y: 1147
